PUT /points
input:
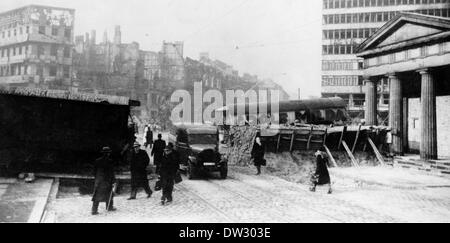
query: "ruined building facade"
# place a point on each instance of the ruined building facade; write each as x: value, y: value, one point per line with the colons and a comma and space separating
x: 36, y: 47
x: 110, y: 67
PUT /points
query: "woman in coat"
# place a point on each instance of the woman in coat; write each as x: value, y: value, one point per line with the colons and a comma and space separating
x: 258, y: 155
x: 321, y: 176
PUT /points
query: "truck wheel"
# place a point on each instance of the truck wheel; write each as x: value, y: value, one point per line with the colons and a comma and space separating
x: 190, y: 171
x: 224, y: 172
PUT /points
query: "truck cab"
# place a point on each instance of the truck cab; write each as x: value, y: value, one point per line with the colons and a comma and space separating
x: 198, y: 146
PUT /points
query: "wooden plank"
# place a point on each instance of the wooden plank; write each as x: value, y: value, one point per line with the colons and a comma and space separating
x: 377, y: 153
x: 292, y: 141
x: 325, y: 137
x: 350, y: 154
x: 278, y: 142
x: 356, y: 139
x: 344, y: 128
x: 330, y: 156
x: 309, y: 138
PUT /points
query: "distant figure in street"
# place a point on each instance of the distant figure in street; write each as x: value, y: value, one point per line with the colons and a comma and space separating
x: 169, y: 168
x: 157, y: 152
x: 148, y: 137
x: 258, y: 155
x: 139, y: 161
x: 321, y: 176
x: 104, y: 181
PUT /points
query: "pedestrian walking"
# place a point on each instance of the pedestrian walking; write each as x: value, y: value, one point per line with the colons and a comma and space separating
x: 169, y: 168
x: 148, y: 137
x: 321, y: 175
x: 139, y: 161
x: 104, y: 181
x: 258, y: 155
x: 158, y: 151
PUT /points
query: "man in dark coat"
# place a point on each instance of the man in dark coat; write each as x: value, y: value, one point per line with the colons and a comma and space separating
x: 104, y: 181
x: 139, y: 161
x: 258, y: 155
x: 321, y: 176
x: 158, y: 151
x: 149, y: 137
x: 169, y: 168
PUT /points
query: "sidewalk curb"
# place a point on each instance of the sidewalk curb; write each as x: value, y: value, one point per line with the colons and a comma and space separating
x: 39, y: 207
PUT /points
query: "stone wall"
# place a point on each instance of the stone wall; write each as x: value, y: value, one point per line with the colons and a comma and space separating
x: 443, y: 124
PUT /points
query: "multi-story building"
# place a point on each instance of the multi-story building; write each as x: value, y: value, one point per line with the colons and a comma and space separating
x: 346, y: 24
x: 36, y: 46
x: 172, y: 63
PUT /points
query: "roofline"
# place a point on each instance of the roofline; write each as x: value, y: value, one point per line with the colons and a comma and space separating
x: 35, y: 5
x: 400, y: 45
x: 388, y: 24
x: 68, y: 96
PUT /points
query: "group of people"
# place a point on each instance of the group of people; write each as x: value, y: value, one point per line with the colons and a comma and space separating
x: 165, y: 158
x: 167, y: 161
x: 320, y: 176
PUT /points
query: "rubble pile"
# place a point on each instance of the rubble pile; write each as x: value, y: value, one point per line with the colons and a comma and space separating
x: 240, y: 144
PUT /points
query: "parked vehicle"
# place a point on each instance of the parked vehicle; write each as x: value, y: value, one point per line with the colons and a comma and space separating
x: 198, y: 146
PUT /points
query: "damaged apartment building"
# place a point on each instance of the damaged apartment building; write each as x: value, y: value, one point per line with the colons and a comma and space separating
x: 36, y: 47
x: 116, y: 68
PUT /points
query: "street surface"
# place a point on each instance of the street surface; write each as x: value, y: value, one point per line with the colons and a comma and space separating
x: 247, y: 198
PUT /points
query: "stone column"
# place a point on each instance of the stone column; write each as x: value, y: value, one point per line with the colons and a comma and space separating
x: 428, y: 133
x: 371, y: 102
x: 395, y: 113
x: 405, y: 124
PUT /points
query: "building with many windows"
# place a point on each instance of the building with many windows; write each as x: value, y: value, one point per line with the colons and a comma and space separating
x: 36, y: 47
x: 347, y: 24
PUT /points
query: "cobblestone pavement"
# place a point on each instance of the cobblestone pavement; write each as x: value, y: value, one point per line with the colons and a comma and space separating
x: 247, y: 198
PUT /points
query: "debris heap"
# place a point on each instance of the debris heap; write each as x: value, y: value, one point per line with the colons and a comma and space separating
x: 240, y: 144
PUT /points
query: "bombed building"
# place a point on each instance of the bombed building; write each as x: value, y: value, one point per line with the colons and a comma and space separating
x: 36, y: 47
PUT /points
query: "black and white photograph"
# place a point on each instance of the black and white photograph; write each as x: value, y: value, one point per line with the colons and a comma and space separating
x: 246, y: 112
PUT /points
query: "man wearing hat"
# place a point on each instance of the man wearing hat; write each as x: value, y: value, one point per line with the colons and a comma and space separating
x: 104, y: 181
x: 169, y: 167
x: 158, y: 151
x: 139, y: 161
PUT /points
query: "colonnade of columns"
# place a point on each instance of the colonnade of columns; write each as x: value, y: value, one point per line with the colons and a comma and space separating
x: 398, y: 113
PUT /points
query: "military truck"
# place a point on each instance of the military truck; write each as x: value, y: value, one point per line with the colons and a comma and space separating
x: 198, y: 146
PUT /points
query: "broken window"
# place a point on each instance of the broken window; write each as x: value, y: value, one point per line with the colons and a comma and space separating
x: 66, y: 71
x: 41, y: 30
x: 13, y: 70
x: 67, y: 33
x: 66, y: 52
x: 54, y: 31
x: 40, y: 70
x: 41, y: 50
x: 52, y: 71
x: 54, y: 51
